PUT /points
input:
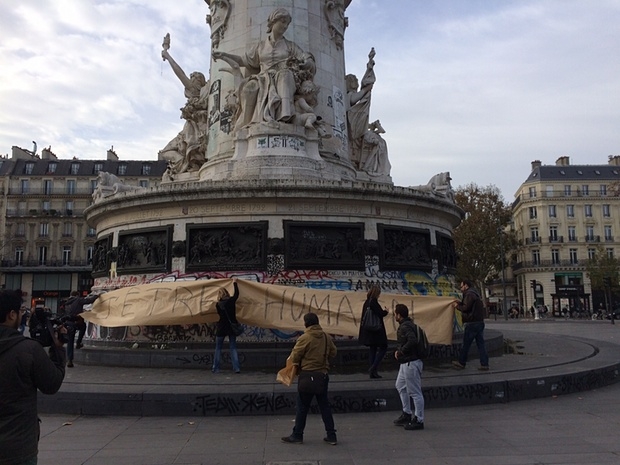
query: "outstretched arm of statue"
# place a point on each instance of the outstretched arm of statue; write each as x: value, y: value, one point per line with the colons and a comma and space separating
x: 227, y: 57
x: 177, y: 69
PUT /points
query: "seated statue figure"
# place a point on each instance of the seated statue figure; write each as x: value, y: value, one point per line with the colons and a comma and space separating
x: 275, y: 68
x: 374, y: 157
x: 186, y: 152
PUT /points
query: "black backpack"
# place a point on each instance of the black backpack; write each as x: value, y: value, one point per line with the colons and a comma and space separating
x: 423, y: 347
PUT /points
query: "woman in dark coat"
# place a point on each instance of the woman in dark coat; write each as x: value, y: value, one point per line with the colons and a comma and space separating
x: 226, y: 309
x: 375, y: 340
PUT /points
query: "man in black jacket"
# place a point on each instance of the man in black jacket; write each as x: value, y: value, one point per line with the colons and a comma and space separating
x: 24, y: 368
x: 472, y: 309
x: 409, y: 379
x: 74, y: 307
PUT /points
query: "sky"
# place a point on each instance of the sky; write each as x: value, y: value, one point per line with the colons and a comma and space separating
x: 479, y: 88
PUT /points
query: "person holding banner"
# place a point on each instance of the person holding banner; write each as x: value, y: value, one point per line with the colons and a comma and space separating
x: 226, y: 309
x: 374, y: 338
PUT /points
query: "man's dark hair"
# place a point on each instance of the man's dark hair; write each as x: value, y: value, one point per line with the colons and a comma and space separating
x: 467, y: 282
x: 311, y: 319
x: 402, y: 310
x: 75, y: 293
x: 9, y: 300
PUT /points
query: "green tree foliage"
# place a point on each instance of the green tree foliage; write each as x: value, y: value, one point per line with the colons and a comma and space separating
x: 482, y: 235
x: 602, y: 266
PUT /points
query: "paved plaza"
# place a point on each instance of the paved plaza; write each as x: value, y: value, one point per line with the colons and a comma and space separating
x: 578, y: 428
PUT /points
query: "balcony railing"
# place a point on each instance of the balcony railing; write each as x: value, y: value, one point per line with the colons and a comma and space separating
x: 55, y: 191
x: 11, y: 212
x: 556, y: 239
x: 532, y: 240
x: 50, y: 263
x: 545, y: 264
x: 593, y: 238
x: 609, y: 238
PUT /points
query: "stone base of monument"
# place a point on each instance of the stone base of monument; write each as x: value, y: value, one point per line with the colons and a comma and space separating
x: 269, y: 357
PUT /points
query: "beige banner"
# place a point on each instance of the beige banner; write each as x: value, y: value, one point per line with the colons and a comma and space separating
x: 265, y: 306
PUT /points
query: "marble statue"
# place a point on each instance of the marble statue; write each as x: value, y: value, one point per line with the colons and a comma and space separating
x: 186, y: 152
x: 374, y: 156
x: 439, y: 184
x: 110, y: 184
x: 274, y: 69
x: 358, y: 108
x: 305, y: 101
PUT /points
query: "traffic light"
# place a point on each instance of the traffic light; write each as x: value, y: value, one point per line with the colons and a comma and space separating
x: 607, y: 282
x: 533, y: 284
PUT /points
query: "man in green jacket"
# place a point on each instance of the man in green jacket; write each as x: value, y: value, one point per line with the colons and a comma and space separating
x: 311, y: 353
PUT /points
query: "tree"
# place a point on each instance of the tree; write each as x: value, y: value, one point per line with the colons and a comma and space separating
x: 604, y: 272
x: 481, y: 238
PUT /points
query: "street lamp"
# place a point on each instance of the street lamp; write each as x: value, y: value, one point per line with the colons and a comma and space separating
x: 501, y: 247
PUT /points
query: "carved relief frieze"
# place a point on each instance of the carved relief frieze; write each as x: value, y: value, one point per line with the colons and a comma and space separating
x: 102, y: 256
x: 446, y: 253
x: 218, y: 19
x: 402, y: 248
x: 146, y: 250
x: 337, y: 22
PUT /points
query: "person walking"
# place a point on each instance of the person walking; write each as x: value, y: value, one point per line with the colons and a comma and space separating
x: 472, y: 309
x: 374, y: 339
x: 409, y: 378
x: 74, y: 307
x: 311, y: 354
x: 24, y: 369
x: 226, y: 309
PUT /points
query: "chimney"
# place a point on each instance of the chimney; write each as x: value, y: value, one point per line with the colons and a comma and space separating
x: 112, y: 156
x: 21, y: 154
x: 47, y: 154
x: 614, y: 160
x: 536, y: 164
x: 563, y: 161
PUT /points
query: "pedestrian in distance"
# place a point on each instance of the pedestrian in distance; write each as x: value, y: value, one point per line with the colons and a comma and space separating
x: 311, y: 354
x: 472, y: 310
x: 74, y: 307
x: 24, y: 369
x: 376, y: 340
x: 227, y: 310
x: 409, y: 378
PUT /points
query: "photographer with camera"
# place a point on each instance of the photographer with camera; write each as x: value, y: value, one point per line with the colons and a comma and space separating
x: 24, y: 369
x: 74, y: 307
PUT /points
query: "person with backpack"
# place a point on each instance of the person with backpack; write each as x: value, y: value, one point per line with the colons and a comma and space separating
x: 409, y: 380
x: 472, y: 309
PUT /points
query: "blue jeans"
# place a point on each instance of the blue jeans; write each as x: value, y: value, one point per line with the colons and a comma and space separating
x: 303, y: 407
x: 474, y: 331
x: 375, y: 356
x: 409, y: 387
x: 219, y: 342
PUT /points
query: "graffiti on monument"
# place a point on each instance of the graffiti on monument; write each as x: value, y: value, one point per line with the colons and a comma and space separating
x: 403, y: 248
x: 323, y: 245
x: 146, y: 250
x: 233, y: 246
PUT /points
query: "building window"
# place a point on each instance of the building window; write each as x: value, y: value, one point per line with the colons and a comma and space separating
x: 71, y: 186
x: 588, y: 210
x: 42, y: 255
x: 144, y: 183
x: 44, y: 230
x: 68, y: 229
x: 552, y: 212
x: 45, y: 205
x: 51, y: 167
x: 555, y: 256
x: 21, y: 208
x: 97, y: 167
x: 585, y: 190
x: 572, y: 234
x: 606, y: 211
x: 570, y: 211
x: 69, y: 207
x: 608, y: 234
x: 532, y: 192
x: 25, y: 186
x: 567, y: 190
x: 591, y: 254
x: 121, y: 170
x: 92, y: 232
x: 589, y: 233
x: 536, y: 257
x: 47, y: 187
x: 553, y: 234
x: 29, y: 168
x: 89, y: 254
x: 534, y: 234
x: 19, y: 255
x: 573, y: 256
x: 146, y: 170
x: 549, y: 191
x: 75, y: 168
x: 533, y: 213
x: 21, y: 230
x: 610, y: 253
x: 603, y: 190
x: 66, y: 255
x: 93, y: 185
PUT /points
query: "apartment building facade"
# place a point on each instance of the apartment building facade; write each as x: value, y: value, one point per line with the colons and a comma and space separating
x: 47, y: 246
x: 563, y: 213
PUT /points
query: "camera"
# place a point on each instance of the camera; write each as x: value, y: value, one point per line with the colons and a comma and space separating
x: 44, y: 326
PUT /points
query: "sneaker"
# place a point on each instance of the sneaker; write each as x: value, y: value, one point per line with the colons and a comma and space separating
x: 414, y: 425
x: 483, y: 368
x: 292, y: 440
x: 403, y: 419
x: 457, y: 365
x: 331, y: 439
x: 375, y: 375
x: 79, y: 346
x: 70, y: 364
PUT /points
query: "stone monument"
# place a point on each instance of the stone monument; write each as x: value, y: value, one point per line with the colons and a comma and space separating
x: 278, y: 173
